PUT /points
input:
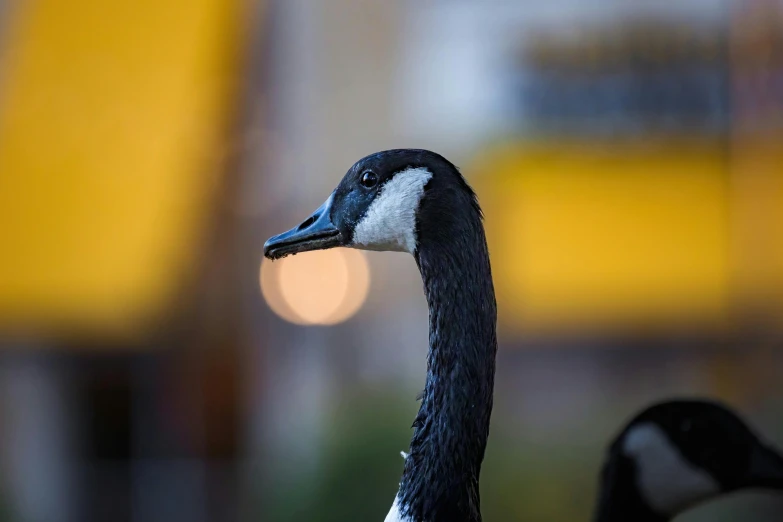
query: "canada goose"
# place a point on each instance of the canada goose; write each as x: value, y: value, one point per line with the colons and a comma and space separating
x: 678, y: 453
x: 416, y: 201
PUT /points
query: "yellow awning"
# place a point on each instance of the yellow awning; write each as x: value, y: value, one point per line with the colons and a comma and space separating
x: 112, y: 116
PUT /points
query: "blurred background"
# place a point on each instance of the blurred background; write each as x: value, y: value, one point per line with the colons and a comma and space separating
x: 153, y: 368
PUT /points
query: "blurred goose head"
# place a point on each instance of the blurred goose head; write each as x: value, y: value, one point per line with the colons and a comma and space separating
x: 676, y: 454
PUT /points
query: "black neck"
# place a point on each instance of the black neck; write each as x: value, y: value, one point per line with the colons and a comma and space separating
x: 440, y: 481
x: 619, y: 498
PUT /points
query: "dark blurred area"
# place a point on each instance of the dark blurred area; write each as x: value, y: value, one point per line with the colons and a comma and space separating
x: 152, y: 367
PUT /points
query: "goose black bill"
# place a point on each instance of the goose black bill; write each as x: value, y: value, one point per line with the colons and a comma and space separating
x: 316, y: 233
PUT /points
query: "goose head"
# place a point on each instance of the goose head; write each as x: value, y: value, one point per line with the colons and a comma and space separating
x: 679, y: 453
x: 385, y: 201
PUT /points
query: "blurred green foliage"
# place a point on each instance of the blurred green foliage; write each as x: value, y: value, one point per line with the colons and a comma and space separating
x: 361, y: 464
x: 359, y: 469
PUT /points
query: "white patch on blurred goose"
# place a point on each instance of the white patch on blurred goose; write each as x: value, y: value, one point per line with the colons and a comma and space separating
x: 390, y: 221
x: 394, y: 514
x: 666, y: 480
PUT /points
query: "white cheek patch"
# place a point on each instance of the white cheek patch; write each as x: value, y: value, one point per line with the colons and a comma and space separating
x: 667, y: 482
x: 390, y: 221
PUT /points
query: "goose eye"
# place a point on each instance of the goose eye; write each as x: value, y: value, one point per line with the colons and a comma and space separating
x: 369, y: 179
x: 685, y: 427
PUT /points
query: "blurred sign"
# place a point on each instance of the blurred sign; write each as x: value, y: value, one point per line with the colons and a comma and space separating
x: 111, y: 117
x: 621, y: 234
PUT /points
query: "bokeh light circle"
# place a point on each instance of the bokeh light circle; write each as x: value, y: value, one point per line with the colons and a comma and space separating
x: 322, y: 287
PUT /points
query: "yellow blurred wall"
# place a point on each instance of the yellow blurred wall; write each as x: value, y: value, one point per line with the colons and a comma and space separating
x: 629, y: 234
